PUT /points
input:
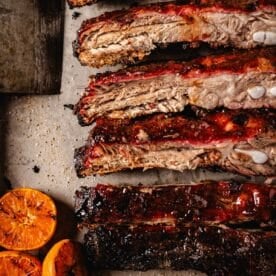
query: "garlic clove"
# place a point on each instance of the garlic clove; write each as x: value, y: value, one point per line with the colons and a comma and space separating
x: 257, y: 156
x: 256, y: 92
x: 272, y: 91
x: 265, y: 37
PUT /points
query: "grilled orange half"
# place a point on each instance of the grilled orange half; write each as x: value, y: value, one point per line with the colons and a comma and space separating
x: 27, y: 219
x: 64, y: 258
x: 17, y: 264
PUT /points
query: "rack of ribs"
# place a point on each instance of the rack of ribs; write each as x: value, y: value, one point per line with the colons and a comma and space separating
x: 243, y: 79
x: 211, y: 249
x: 234, y: 140
x: 209, y: 202
x: 126, y: 36
x: 199, y: 226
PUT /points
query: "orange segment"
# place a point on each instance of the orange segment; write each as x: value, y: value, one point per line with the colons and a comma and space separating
x: 64, y: 258
x: 27, y: 219
x: 19, y: 264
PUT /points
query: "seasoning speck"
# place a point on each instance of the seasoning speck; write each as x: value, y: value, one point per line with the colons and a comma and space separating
x: 69, y: 106
x: 36, y: 169
x: 75, y: 15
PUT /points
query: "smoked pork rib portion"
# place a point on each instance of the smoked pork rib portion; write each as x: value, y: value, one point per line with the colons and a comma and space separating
x: 209, y: 202
x: 235, y: 140
x: 236, y: 80
x: 246, y: 4
x: 217, y: 251
x: 129, y: 35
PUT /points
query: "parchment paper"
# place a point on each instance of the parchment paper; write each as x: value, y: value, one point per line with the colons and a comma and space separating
x: 39, y: 136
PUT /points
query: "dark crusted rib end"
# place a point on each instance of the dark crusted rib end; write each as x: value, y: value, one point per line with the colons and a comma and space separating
x: 83, y: 120
x: 78, y: 160
x: 75, y: 46
x: 81, y: 198
x: 215, y: 250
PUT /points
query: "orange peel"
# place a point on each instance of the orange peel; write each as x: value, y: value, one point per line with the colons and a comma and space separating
x: 28, y: 219
x: 17, y: 264
x: 64, y: 258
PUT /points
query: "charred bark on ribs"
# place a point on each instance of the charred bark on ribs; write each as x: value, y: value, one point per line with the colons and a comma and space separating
x: 246, y: 4
x: 129, y: 35
x: 229, y: 80
x: 215, y: 250
x: 209, y: 202
x: 180, y: 226
x: 127, y: 229
x: 234, y: 140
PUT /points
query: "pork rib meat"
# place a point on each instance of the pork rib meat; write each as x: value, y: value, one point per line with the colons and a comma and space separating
x: 236, y: 80
x: 234, y: 140
x: 209, y: 202
x: 217, y: 251
x: 129, y: 35
x: 249, y: 4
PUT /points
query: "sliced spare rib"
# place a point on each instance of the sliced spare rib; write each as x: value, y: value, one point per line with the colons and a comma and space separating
x: 249, y: 4
x: 209, y: 202
x: 217, y: 251
x: 129, y: 35
x: 236, y: 80
x: 234, y: 140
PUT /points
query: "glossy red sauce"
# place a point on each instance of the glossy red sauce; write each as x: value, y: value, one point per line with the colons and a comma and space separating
x: 214, y: 202
x: 263, y: 60
x: 212, y: 127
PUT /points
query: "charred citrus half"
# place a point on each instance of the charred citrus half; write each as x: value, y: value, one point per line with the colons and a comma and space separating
x: 27, y: 219
x: 17, y: 264
x: 64, y: 258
